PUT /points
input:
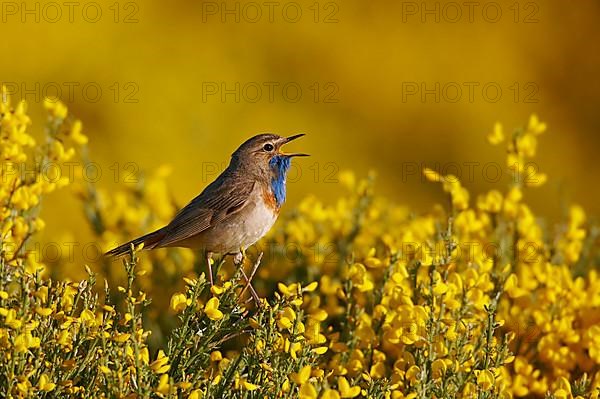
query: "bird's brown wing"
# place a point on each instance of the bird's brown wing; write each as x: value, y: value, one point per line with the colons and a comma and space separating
x: 217, y: 202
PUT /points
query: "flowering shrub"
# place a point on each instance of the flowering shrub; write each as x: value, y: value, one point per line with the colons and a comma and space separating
x: 362, y: 297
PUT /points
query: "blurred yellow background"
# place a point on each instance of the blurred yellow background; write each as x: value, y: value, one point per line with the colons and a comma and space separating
x: 378, y: 85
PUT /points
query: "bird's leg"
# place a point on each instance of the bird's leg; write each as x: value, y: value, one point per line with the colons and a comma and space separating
x: 209, y: 263
x: 238, y: 260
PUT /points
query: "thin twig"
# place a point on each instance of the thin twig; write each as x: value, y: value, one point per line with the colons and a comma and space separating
x: 254, y: 269
x: 252, y: 291
x: 255, y: 296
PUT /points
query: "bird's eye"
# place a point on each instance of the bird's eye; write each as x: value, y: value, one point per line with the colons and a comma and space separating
x: 268, y: 147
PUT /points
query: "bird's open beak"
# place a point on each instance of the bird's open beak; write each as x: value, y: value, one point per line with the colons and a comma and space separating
x: 291, y: 138
x: 294, y: 137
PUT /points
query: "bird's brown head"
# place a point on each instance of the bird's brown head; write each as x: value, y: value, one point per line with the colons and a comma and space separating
x: 261, y: 157
x: 263, y: 152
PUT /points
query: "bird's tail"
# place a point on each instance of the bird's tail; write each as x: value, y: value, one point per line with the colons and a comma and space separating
x: 149, y: 240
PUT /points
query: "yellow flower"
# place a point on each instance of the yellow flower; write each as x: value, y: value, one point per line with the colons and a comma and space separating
x: 249, y: 386
x: 307, y: 391
x: 345, y: 390
x: 217, y: 289
x: 288, y: 290
x: 320, y: 350
x: 439, y: 288
x: 438, y: 368
x: 56, y: 108
x: 178, y: 302
x: 348, y: 179
x: 293, y: 348
x: 302, y: 376
x: 161, y: 364
x: 536, y: 179
x: 561, y: 394
x: 44, y: 312
x: 497, y: 135
x: 64, y: 338
x: 378, y: 370
x: 163, y: 385
x: 432, y: 176
x: 330, y: 394
x: 68, y: 297
x: 460, y: 198
x: 485, y: 379
x: 42, y: 294
x: 23, y: 386
x: 311, y: 287
x: 361, y: 279
x: 372, y: 262
x: 108, y: 309
x: 11, y: 320
x: 195, y: 394
x: 212, y: 309
x: 184, y: 385
x: 76, y: 134
x: 144, y: 355
x: 87, y: 317
x: 526, y: 145
x: 286, y: 318
x: 26, y: 341
x: 44, y: 384
x: 318, y: 314
x: 121, y: 337
x: 535, y: 126
x: 565, y: 386
x: 412, y: 374
x: 512, y: 288
x: 491, y: 202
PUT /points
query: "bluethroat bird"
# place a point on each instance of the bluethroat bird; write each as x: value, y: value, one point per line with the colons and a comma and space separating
x: 235, y: 210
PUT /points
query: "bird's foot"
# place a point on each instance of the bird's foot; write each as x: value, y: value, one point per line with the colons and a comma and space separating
x: 238, y: 258
x: 209, y: 263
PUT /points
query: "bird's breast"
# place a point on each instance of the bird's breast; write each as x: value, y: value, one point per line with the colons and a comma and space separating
x: 269, y: 199
x: 257, y: 219
x: 243, y: 228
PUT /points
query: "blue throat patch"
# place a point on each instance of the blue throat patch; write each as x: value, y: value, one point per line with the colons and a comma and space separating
x: 280, y: 165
